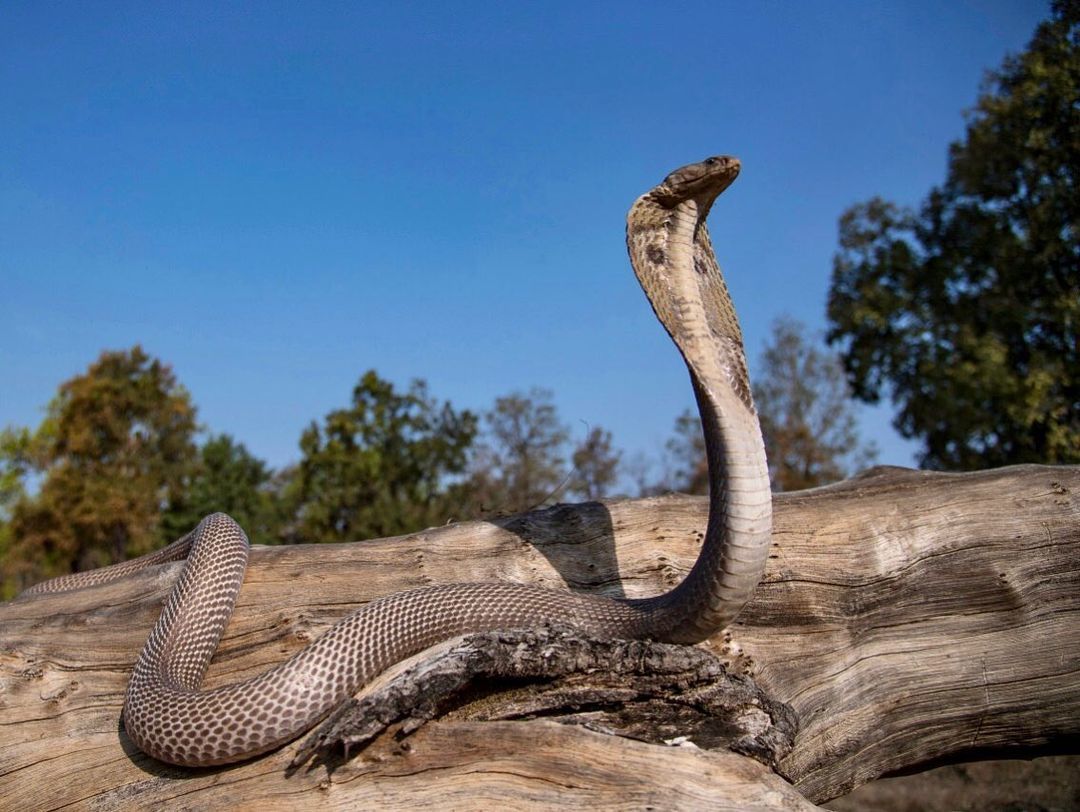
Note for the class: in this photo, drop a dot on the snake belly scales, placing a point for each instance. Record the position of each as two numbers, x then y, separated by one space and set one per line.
168 716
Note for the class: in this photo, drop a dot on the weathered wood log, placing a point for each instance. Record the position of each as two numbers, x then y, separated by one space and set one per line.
905 617
655 692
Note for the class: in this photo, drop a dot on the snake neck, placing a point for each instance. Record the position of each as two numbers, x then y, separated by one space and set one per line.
673 258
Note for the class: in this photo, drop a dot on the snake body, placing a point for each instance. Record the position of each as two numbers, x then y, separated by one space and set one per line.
170 718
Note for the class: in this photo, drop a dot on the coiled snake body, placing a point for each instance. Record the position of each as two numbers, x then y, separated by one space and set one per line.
169 717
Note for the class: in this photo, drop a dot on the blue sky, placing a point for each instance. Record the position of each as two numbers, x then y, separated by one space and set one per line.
275 197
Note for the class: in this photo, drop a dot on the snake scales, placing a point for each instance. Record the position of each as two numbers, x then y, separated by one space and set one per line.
169 717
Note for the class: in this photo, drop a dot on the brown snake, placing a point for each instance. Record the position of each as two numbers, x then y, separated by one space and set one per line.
169 717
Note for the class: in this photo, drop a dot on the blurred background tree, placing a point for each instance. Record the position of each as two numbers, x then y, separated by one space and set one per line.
115 471
596 466
115 446
13 469
383 466
226 477
967 312
807 418
686 469
806 411
518 463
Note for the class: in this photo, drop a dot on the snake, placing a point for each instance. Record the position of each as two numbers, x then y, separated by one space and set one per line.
170 717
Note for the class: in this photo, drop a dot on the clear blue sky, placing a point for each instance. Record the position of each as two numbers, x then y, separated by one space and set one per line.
276 197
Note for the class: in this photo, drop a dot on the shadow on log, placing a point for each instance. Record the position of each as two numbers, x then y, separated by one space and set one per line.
905 618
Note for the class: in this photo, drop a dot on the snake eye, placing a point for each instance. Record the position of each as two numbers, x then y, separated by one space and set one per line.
710 161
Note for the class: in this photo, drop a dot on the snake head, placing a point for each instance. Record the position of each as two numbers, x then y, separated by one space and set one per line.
701 182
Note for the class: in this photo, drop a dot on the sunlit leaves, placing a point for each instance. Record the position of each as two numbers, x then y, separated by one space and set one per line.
113 449
387 464
968 313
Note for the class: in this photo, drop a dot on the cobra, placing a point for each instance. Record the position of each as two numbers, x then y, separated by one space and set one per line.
169 717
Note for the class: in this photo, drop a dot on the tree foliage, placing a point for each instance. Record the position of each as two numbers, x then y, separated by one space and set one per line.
805 408
596 465
115 445
383 466
968 311
117 473
229 478
687 469
13 466
519 462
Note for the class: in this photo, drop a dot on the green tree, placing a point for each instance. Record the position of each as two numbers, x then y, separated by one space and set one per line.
804 404
383 466
14 444
115 445
229 478
283 506
968 312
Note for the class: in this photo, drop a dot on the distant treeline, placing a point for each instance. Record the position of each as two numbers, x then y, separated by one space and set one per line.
122 466
964 312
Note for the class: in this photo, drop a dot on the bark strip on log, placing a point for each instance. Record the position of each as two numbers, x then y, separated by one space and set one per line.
904 616
655 692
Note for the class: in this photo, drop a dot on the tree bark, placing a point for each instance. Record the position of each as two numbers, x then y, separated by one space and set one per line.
905 617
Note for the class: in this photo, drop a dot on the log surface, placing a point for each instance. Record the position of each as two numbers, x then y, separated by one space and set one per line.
904 616
645 690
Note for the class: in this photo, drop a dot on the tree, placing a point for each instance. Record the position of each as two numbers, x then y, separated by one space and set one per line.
687 468
804 404
519 463
14 444
227 477
383 466
115 445
968 312
283 490
596 465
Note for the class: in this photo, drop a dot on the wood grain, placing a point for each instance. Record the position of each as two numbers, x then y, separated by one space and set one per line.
905 616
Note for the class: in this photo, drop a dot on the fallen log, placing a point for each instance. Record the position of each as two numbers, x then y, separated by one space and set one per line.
905 617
